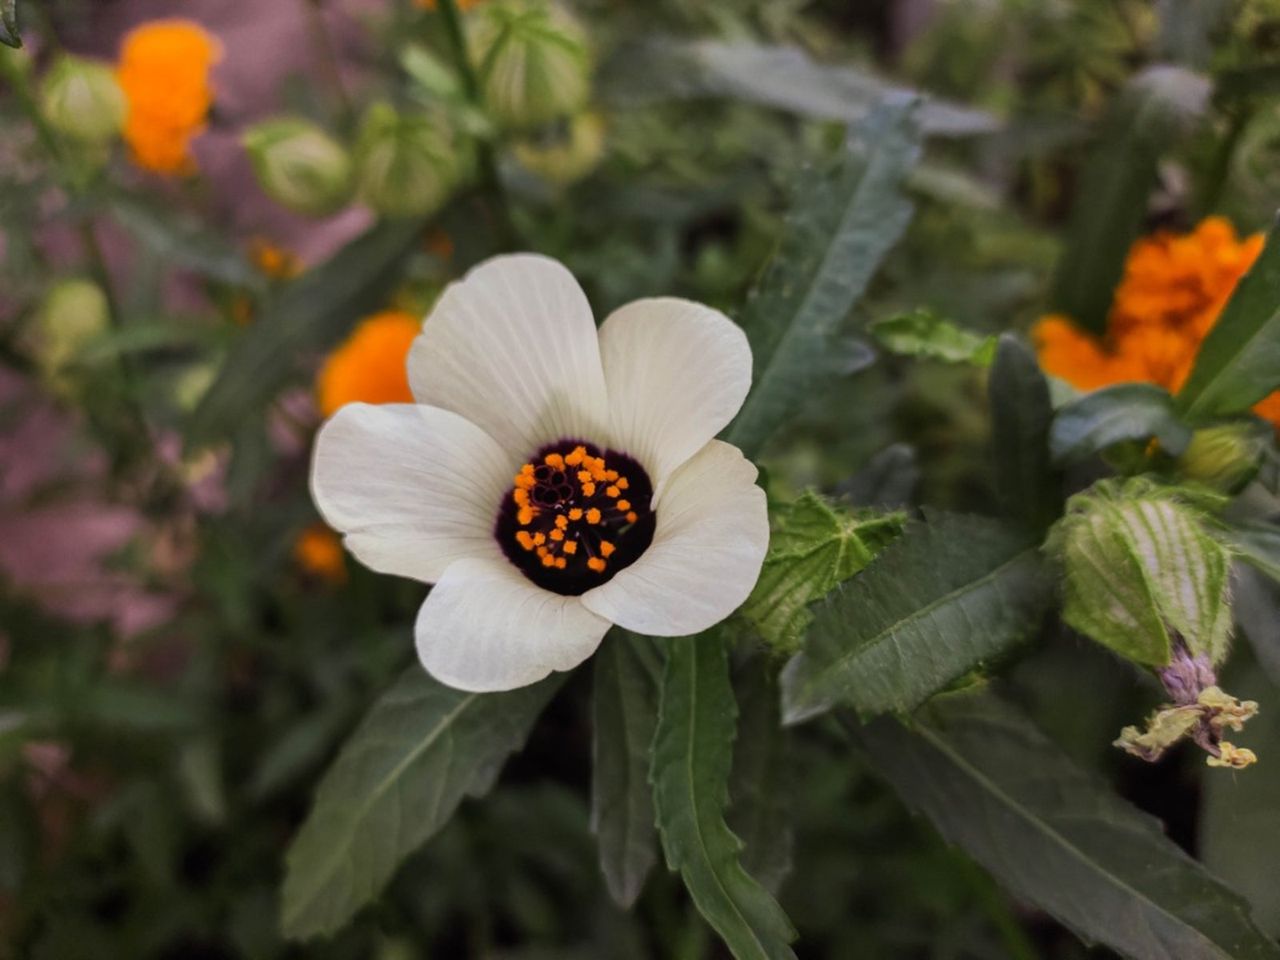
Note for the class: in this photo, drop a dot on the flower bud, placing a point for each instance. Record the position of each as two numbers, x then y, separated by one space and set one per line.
565 151
73 313
534 61
299 166
406 165
1224 457
1142 575
81 98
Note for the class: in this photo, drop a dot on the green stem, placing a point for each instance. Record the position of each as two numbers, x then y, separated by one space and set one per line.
497 194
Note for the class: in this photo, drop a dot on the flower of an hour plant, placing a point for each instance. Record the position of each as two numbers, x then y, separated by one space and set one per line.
1172 293
552 479
164 72
369 366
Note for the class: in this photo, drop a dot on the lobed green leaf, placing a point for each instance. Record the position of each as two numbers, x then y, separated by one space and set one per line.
950 594
923 333
692 756
1055 836
420 750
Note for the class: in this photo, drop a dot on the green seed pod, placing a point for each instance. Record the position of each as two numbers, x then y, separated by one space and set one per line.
1141 572
406 164
1224 457
73 313
565 151
299 166
534 63
81 99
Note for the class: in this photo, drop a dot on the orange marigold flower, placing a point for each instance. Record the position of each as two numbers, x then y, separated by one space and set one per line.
164 72
1173 290
370 366
318 551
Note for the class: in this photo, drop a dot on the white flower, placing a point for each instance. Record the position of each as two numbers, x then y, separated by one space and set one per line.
552 479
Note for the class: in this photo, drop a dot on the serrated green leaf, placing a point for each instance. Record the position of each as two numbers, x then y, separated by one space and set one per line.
1055 836
839 230
625 709
692 755
1021 414
815 546
1116 414
310 313
1240 816
761 784
923 333
1155 108
949 594
9 35
1239 361
420 750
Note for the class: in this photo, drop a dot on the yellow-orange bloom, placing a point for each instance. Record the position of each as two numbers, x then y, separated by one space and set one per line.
164 72
274 262
318 551
370 366
1173 290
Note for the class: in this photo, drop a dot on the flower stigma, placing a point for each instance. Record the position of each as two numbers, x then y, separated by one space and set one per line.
576 516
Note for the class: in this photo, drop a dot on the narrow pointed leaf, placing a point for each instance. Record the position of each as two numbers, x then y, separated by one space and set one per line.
1239 361
947 596
1021 415
838 232
9 23
1057 837
692 755
760 787
626 713
1116 414
421 749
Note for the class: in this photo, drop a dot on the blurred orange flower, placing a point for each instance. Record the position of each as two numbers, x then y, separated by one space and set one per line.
274 262
164 71
318 551
1173 290
370 366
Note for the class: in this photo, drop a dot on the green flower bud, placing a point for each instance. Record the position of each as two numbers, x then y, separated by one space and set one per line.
81 98
299 166
566 151
1142 574
534 65
1225 457
73 313
406 164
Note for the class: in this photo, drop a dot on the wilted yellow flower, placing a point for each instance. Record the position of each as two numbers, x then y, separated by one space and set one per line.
370 366
318 551
1172 293
164 71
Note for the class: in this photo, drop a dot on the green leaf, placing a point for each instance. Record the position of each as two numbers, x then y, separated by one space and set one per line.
816 545
1055 836
310 313
887 481
692 754
1155 108
1125 412
1239 833
839 230
1239 361
626 713
1254 601
421 749
9 23
762 781
949 594
1021 414
1258 544
923 333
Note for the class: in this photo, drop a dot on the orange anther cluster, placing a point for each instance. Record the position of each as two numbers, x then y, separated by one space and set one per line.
565 504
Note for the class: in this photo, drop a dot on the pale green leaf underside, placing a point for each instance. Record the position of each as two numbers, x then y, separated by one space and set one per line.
692 755
1056 837
947 596
923 333
420 750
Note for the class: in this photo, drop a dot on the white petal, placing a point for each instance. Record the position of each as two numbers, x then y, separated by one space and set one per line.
485 627
414 488
676 372
710 541
513 348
